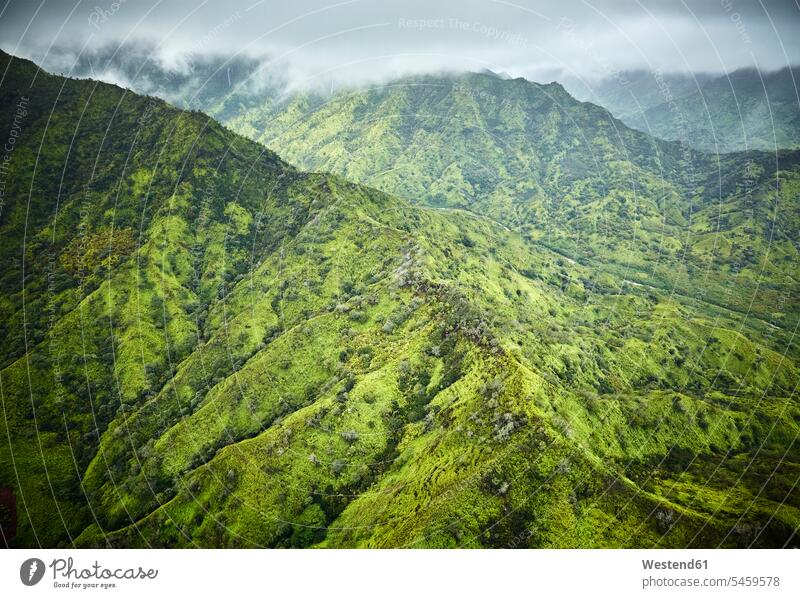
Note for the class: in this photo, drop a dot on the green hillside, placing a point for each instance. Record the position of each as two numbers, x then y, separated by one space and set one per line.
555 332
563 173
628 93
198 80
746 109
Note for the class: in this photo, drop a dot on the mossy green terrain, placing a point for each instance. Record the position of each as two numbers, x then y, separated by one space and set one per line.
564 173
207 347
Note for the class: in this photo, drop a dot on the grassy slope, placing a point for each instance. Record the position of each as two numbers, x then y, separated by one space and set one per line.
743 110
567 175
278 359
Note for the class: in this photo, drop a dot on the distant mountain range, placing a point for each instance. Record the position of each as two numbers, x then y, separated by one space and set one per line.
746 109
506 319
199 81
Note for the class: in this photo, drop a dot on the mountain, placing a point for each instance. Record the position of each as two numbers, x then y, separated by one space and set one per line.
208 347
746 109
629 93
563 173
742 110
196 80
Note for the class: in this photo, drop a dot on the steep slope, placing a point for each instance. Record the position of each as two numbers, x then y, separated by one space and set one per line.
123 221
565 173
194 81
746 109
210 348
629 93
477 141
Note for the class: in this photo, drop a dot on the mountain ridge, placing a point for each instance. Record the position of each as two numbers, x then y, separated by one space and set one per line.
744 109
221 350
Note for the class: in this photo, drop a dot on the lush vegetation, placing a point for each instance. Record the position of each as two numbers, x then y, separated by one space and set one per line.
745 109
564 174
554 332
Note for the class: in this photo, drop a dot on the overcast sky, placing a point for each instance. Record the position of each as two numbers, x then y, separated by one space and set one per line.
364 38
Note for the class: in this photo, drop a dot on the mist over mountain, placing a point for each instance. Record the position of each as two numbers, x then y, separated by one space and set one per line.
371 41
745 109
196 80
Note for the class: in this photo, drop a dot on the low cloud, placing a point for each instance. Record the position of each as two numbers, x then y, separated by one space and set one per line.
352 41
